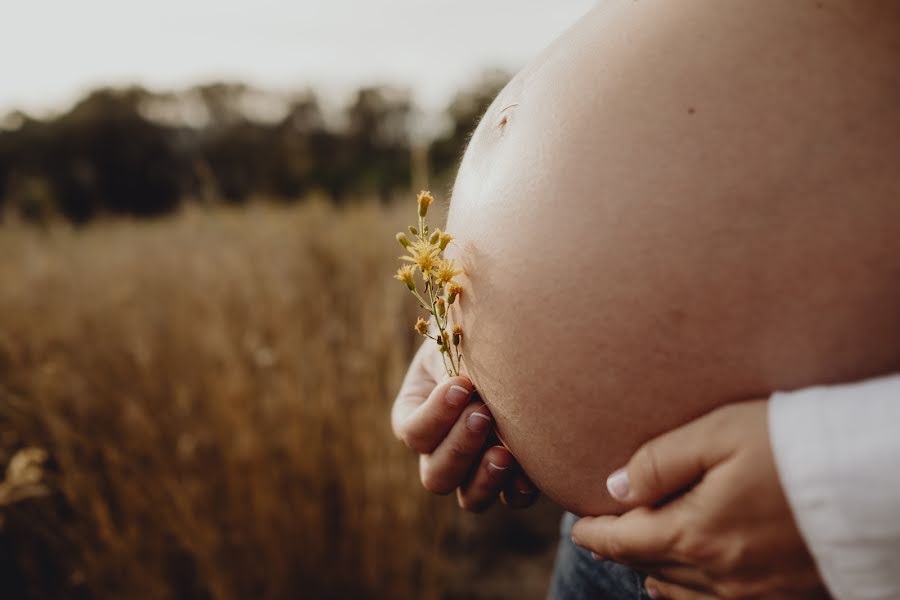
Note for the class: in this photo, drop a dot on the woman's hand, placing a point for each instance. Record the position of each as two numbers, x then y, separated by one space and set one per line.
708 516
444 421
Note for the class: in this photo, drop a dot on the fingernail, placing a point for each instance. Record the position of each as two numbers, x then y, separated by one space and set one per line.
617 484
456 395
652 592
478 422
496 467
596 556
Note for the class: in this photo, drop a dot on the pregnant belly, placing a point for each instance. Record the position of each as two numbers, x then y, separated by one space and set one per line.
580 370
643 243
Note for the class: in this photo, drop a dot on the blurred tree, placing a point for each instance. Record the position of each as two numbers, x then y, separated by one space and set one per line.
240 157
116 159
13 157
297 136
101 156
378 138
223 103
135 152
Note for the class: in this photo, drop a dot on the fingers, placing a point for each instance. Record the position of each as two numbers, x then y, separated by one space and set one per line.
667 464
423 428
452 460
640 536
483 489
519 491
672 591
450 431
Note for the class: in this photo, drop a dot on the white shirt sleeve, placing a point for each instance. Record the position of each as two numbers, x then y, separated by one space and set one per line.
837 449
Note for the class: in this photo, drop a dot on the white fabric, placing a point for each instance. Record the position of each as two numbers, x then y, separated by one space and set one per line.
838 454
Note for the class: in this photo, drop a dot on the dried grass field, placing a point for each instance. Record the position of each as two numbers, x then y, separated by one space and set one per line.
212 392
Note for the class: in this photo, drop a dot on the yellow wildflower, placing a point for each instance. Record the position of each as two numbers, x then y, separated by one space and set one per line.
447 269
405 274
424 255
422 326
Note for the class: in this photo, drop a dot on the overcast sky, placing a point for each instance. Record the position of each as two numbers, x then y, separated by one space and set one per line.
52 51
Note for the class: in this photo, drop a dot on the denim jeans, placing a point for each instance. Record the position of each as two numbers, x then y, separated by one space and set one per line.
577 576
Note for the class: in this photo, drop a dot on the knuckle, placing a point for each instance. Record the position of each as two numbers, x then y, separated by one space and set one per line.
436 485
461 451
615 550
404 435
670 541
414 439
734 555
434 481
647 469
697 548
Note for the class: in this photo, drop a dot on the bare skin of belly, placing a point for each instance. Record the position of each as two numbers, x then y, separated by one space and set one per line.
677 206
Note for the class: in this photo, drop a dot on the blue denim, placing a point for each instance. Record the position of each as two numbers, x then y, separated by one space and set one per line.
577 576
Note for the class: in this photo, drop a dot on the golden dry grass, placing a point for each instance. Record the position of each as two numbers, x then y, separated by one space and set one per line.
213 392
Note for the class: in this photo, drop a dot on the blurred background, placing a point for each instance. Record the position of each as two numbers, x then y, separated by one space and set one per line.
200 338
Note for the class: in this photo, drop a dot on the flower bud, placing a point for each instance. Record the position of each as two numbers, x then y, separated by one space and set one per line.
446 337
453 292
413 230
404 241
457 335
421 326
435 237
446 238
424 199
441 307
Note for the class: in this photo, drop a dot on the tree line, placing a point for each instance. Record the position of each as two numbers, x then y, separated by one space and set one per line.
130 151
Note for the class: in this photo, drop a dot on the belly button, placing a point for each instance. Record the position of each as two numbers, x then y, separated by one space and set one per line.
503 121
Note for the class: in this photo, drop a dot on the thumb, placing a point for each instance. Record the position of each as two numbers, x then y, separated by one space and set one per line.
667 464
419 382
